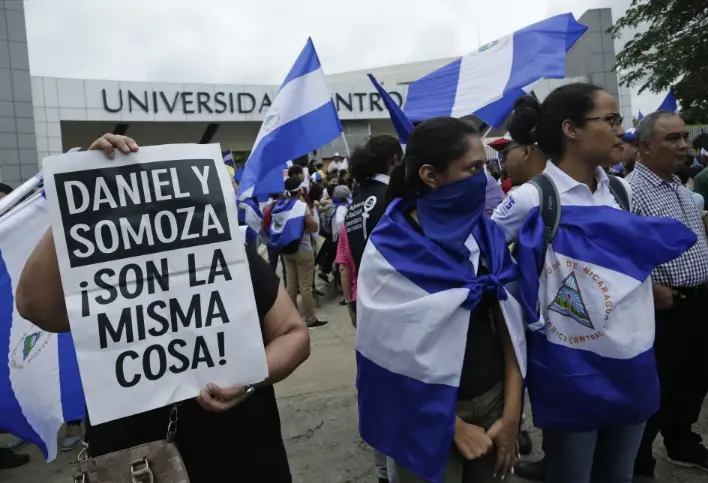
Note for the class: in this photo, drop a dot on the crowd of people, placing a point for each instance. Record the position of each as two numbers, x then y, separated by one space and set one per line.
439 192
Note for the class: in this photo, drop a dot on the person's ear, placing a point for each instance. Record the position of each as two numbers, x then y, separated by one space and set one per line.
527 152
570 129
428 176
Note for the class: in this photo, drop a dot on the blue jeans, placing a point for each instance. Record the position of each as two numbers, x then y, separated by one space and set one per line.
602 456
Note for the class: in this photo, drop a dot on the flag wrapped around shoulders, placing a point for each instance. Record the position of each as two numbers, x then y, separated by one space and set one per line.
287 222
40 386
591 314
413 312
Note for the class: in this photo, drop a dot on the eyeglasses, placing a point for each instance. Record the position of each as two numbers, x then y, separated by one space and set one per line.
613 120
505 152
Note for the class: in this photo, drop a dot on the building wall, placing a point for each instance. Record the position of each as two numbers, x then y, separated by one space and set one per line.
74 112
593 56
18 145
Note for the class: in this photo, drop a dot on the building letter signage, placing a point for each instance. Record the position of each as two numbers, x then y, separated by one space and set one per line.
190 102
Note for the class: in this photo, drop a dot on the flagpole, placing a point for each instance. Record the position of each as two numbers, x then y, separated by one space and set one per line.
486 133
12 199
346 145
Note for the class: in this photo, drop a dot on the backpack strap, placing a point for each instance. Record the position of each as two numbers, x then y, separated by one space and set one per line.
550 212
619 191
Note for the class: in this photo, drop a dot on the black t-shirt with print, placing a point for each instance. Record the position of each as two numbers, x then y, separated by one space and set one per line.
243 444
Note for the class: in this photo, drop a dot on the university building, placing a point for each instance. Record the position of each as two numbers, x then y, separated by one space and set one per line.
40 116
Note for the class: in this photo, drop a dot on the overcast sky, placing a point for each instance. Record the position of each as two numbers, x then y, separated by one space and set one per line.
255 42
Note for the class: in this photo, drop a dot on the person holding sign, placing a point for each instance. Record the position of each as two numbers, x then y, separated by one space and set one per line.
225 432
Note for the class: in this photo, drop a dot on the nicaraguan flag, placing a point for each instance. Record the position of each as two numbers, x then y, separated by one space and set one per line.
488 82
670 103
228 157
640 116
303 118
591 359
252 214
40 387
287 222
401 123
250 210
413 314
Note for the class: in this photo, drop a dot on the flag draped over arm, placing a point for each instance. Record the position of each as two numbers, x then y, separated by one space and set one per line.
488 82
40 387
413 313
303 117
591 314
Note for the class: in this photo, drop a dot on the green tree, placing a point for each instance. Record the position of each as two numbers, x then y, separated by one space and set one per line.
672 50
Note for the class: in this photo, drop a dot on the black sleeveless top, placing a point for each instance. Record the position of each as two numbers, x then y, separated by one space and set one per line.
483 364
243 444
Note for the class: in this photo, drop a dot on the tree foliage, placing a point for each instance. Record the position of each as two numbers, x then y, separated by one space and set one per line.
671 50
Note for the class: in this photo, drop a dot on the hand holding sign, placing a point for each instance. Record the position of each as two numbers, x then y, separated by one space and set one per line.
155 277
108 143
220 399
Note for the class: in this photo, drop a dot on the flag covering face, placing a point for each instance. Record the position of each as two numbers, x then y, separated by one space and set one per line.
40 387
413 313
591 360
303 117
487 83
287 222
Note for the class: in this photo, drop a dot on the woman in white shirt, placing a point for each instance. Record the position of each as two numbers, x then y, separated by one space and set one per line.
592 378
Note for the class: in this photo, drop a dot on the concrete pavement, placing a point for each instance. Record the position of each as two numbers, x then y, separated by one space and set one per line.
319 417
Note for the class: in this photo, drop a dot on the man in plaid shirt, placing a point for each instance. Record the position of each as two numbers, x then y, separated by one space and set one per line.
680 295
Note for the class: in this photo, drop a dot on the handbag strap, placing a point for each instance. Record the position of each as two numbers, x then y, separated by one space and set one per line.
169 436
172 425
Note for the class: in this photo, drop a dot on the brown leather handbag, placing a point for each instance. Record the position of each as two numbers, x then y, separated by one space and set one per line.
155 462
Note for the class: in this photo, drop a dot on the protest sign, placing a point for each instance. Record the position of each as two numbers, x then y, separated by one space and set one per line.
155 276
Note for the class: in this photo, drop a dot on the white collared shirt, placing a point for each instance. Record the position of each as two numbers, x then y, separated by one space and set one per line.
382 178
512 212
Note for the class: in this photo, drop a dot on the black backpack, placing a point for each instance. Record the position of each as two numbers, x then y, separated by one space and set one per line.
550 207
291 247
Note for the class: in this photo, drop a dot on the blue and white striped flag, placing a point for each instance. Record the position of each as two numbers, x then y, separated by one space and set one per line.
303 118
488 82
413 314
593 338
401 123
228 157
670 103
252 214
40 387
249 212
287 223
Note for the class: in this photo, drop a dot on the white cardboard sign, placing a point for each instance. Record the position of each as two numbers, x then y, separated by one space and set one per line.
155 276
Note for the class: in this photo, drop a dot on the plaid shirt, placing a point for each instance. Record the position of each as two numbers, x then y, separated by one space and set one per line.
653 196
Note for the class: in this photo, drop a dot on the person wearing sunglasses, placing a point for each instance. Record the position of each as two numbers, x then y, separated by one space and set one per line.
522 162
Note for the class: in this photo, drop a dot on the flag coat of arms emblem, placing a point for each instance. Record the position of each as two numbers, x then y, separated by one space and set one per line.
40 386
591 314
